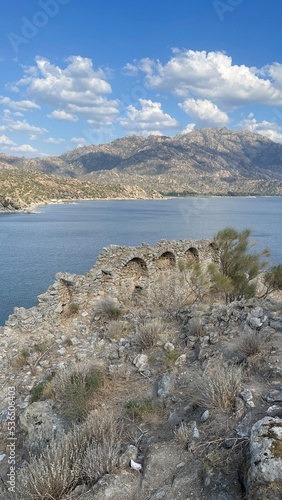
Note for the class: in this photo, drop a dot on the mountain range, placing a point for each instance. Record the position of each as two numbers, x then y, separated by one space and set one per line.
211 161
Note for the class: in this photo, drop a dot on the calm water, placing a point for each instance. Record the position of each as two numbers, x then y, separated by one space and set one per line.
33 247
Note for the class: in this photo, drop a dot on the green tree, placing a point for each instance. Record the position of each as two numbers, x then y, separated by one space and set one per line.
196 278
273 280
238 266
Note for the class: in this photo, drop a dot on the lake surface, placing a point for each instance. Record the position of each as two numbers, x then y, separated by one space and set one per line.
33 247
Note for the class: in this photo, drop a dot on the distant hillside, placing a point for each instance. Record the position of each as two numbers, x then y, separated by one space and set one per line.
22 188
214 161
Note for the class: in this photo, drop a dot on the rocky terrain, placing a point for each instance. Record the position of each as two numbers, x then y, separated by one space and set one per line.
187 399
212 161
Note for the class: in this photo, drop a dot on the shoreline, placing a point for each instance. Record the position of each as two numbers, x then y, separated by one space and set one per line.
31 209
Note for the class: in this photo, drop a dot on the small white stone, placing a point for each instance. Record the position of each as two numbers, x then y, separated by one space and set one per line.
2 457
181 360
169 347
135 465
205 416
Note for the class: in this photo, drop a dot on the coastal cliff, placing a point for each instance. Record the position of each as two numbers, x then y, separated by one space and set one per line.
193 387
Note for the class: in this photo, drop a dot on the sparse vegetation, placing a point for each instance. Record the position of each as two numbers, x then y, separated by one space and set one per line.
37 392
252 344
72 309
183 434
217 388
138 408
237 266
196 279
86 453
21 359
170 358
108 308
149 332
273 280
73 389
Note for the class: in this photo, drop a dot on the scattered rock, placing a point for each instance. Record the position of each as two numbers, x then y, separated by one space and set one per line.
274 396
129 454
247 396
166 385
135 466
181 361
169 347
42 425
266 457
141 362
205 416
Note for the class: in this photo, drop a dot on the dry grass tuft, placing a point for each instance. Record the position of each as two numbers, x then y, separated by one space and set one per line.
85 454
182 435
252 344
149 332
216 388
117 329
108 307
73 388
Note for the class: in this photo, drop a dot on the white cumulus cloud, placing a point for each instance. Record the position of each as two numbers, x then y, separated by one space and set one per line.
5 141
204 111
23 148
24 105
147 120
53 140
74 91
189 128
79 140
60 114
12 125
213 76
271 130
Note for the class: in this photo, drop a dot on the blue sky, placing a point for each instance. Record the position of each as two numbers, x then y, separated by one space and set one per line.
74 73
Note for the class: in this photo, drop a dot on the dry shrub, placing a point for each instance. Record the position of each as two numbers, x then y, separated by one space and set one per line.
217 388
108 308
116 329
22 359
149 332
167 296
252 344
85 454
182 435
72 309
73 389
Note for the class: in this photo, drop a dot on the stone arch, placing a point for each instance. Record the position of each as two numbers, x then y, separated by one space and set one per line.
192 254
166 260
135 269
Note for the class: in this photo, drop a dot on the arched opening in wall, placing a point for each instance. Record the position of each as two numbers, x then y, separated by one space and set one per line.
166 261
136 267
133 278
192 254
213 251
137 293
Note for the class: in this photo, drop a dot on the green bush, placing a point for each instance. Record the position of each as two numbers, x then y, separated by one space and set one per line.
73 389
137 408
237 265
37 392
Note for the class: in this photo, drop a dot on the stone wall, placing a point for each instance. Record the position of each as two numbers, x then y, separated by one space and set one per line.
119 272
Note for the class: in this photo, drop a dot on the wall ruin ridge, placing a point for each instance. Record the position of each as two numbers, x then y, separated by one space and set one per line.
119 272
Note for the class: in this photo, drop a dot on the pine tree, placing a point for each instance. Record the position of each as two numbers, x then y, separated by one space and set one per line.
238 266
